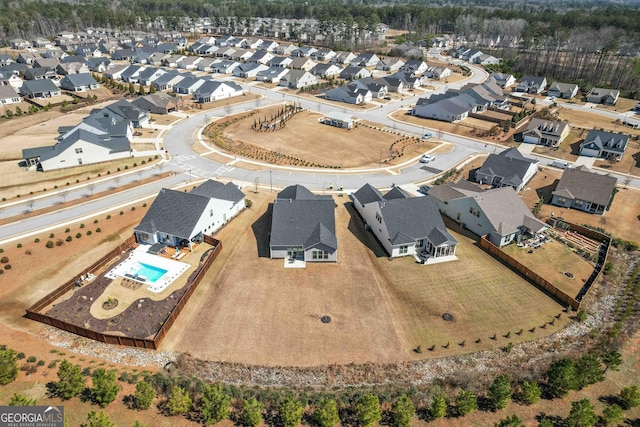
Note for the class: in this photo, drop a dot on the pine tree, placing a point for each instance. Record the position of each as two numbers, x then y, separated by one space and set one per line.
403 411
466 402
252 412
438 407
290 411
8 363
105 387
582 414
144 395
368 410
325 413
500 392
71 381
215 404
179 401
531 392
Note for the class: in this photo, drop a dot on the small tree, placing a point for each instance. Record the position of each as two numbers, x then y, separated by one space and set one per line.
105 387
500 392
21 400
562 377
466 402
71 381
589 370
215 404
611 359
8 366
612 414
510 421
402 411
132 89
179 401
545 422
531 392
325 413
98 419
438 407
582 414
290 411
152 88
630 397
368 410
144 395
252 412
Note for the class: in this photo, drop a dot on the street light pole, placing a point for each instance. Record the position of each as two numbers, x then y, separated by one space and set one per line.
270 182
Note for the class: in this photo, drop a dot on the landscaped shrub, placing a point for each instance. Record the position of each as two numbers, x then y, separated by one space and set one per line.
4 259
49 244
78 235
20 356
66 230
59 242
51 236
121 212
37 240
95 221
81 225
31 359
89 233
40 363
69 238
7 266
19 245
133 208
98 230
108 216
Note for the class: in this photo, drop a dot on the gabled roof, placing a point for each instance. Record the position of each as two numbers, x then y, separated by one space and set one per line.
610 141
76 80
368 194
126 110
301 218
7 91
217 190
511 165
36 86
547 126
583 184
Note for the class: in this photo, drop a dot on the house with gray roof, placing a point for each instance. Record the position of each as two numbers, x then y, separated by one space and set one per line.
405 225
125 110
39 89
79 82
532 84
599 95
303 226
563 90
507 169
604 145
580 188
214 90
8 95
497 213
158 103
180 219
503 80
351 94
326 71
545 132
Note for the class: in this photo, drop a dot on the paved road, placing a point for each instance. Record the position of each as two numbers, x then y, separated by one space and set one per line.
189 166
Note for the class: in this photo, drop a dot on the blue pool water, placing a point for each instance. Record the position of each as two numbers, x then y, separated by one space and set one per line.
149 272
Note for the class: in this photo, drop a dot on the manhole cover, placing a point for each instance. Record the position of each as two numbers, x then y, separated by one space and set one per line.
448 317
325 319
569 274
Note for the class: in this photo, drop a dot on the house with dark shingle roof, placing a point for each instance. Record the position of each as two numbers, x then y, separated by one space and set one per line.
604 145
39 89
303 226
158 103
599 95
179 219
545 132
497 213
532 84
79 82
405 225
507 169
582 189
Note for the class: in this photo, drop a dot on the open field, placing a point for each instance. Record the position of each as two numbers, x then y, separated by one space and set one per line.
359 146
551 260
381 309
568 149
621 221
588 120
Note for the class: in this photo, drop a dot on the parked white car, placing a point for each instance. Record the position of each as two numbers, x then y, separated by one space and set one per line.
427 158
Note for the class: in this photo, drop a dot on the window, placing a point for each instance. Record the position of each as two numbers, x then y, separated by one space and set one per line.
78 150
211 212
404 249
319 255
419 243
562 200
578 203
378 217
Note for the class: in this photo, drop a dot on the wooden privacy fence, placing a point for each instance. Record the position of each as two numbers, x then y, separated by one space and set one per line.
34 312
528 274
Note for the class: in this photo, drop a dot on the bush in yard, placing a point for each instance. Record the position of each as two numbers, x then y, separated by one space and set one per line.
531 392
105 387
71 381
49 244
215 404
466 402
252 412
69 238
403 411
630 397
98 419
4 259
179 401
500 392
582 414
31 359
144 395
78 235
7 266
20 356
368 410
325 413
290 411
612 414
438 408
8 366
21 400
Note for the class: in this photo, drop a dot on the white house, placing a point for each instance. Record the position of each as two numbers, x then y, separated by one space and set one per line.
8 95
298 79
213 90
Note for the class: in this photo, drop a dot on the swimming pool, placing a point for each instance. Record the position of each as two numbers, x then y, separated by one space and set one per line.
150 272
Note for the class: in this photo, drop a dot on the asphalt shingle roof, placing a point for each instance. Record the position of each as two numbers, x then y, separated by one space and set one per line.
582 184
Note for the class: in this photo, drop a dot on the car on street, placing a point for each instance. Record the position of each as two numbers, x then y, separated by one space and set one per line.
427 158
424 189
427 135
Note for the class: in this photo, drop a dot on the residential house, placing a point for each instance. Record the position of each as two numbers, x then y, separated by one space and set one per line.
252 43
450 109
79 147
7 78
338 119
46 62
280 61
343 58
180 219
532 84
390 64
224 67
8 95
79 82
71 68
562 90
41 43
73 58
326 71
40 73
351 94
39 89
115 73
507 169
27 57
189 63
409 80
323 55
158 103
124 110
6 60
302 63
247 71
604 145
303 226
503 80
405 225
378 88
213 90
132 73
88 50
206 49
284 49
270 46
298 79
545 132
415 67
498 213
354 73
304 51
124 55
19 44
167 80
393 84
365 60
188 85
224 41
172 61
241 55
99 65
437 73
599 95
205 64
150 75
271 74
261 57
166 48
485 59
580 188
